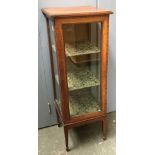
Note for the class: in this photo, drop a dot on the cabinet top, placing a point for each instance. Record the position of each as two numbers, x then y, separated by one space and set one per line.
74 11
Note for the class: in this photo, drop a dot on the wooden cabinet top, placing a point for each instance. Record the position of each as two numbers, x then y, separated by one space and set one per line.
74 11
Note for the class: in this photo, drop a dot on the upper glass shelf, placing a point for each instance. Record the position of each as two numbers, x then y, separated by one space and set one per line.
80 48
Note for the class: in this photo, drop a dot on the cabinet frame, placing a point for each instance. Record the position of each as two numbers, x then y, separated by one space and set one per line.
63 115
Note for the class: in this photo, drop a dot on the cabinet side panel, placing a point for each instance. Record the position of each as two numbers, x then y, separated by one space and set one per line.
62 70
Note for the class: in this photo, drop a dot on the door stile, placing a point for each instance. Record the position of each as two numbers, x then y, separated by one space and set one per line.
104 61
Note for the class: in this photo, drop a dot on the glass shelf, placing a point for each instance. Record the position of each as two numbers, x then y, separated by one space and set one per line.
80 48
80 78
82 105
82 102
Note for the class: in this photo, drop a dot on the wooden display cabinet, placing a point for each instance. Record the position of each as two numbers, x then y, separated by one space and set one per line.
78 45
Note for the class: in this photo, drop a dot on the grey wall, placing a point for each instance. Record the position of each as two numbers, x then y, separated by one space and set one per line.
45 91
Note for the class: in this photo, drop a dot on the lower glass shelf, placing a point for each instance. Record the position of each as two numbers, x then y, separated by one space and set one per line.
82 102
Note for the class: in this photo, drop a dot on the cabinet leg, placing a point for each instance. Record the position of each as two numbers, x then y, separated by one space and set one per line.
66 137
104 128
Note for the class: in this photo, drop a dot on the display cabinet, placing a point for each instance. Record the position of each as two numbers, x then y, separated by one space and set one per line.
78 45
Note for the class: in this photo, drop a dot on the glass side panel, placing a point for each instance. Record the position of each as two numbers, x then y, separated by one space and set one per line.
82 52
55 64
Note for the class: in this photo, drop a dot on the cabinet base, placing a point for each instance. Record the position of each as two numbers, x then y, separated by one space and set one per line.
103 124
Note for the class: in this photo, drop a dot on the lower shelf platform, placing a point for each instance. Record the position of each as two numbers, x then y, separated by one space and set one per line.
82 102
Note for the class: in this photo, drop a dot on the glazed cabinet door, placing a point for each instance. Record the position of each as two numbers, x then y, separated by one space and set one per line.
82 54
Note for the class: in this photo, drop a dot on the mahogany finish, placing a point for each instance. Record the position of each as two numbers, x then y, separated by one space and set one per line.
72 15
74 11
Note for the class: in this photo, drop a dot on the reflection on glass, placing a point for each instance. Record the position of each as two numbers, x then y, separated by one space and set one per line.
55 65
83 67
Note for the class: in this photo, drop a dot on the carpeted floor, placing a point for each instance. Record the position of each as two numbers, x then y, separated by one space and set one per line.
84 140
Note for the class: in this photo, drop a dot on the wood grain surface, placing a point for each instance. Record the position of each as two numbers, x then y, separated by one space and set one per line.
74 11
78 15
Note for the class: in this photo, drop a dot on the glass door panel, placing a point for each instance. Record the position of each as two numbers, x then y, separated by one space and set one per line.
82 52
55 64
